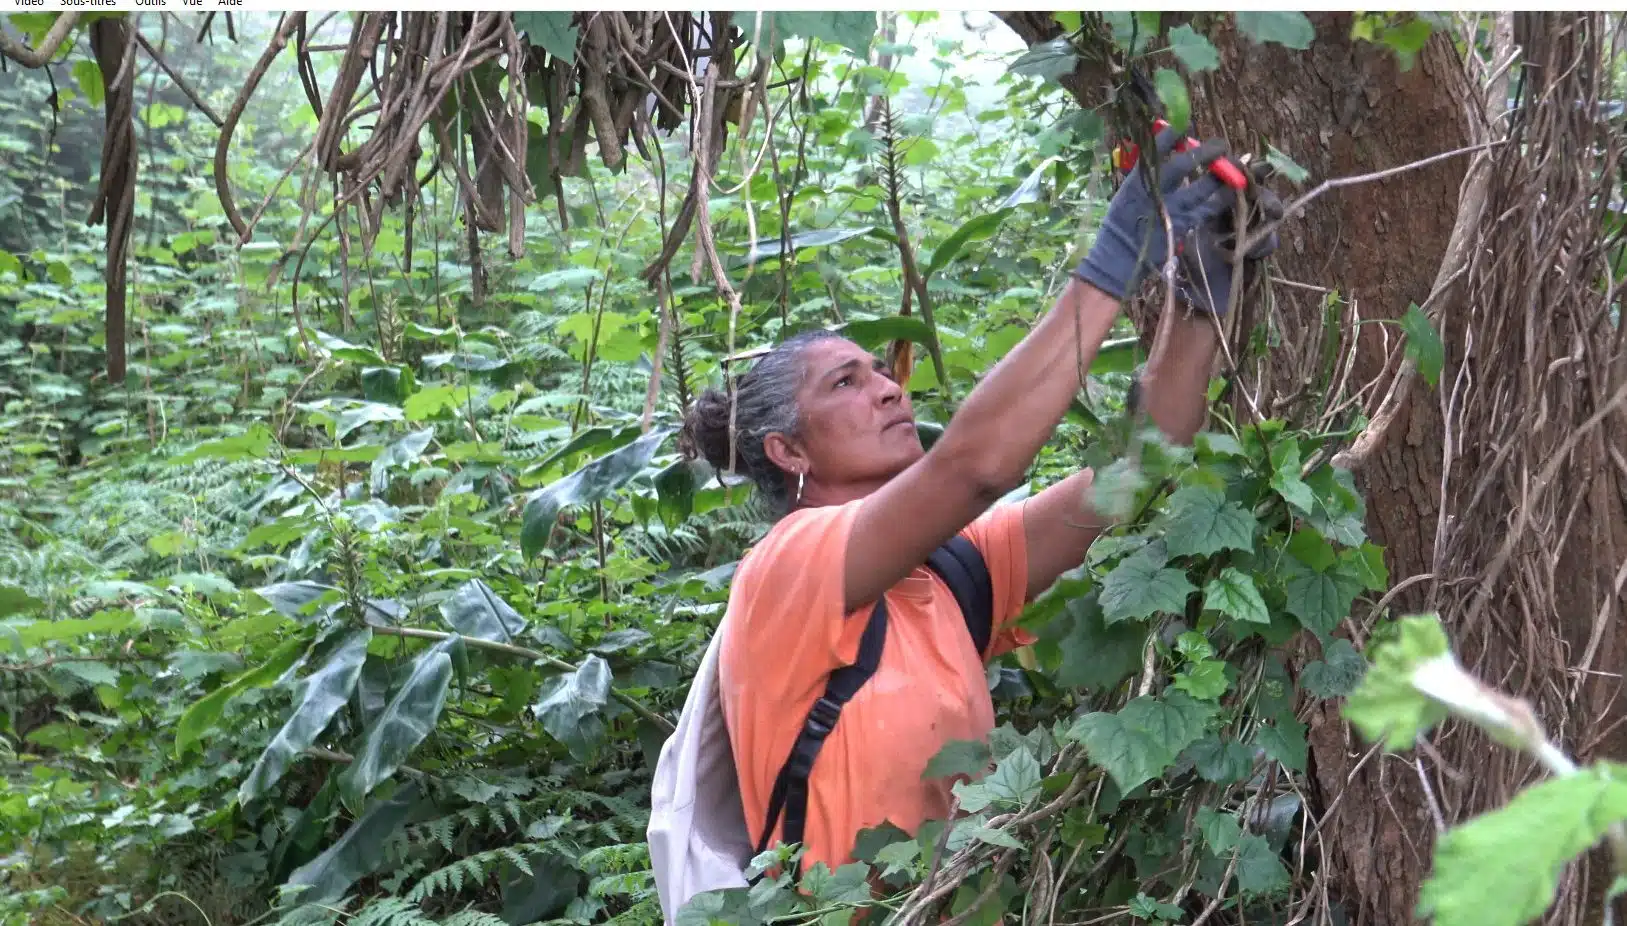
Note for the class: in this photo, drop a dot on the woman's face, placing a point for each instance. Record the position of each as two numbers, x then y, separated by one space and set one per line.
857 427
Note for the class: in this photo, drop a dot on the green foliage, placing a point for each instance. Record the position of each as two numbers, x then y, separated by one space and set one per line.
1388 707
1424 347
371 612
1193 48
1502 868
1172 93
1285 28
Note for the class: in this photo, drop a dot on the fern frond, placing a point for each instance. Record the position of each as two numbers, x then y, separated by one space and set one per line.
472 870
474 918
391 911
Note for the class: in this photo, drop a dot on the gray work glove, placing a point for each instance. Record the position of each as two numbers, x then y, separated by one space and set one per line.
1130 244
1204 274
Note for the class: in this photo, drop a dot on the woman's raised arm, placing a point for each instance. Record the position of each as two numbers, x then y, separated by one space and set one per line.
1000 428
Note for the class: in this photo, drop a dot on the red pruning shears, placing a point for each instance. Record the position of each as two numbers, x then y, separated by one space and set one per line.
1126 154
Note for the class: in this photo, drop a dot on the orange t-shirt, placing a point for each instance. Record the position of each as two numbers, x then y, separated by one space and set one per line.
787 633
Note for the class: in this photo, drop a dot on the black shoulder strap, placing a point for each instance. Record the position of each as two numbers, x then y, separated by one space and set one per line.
790 793
960 564
961 567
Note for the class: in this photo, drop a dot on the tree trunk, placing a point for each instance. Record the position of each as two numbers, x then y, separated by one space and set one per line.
1345 108
1369 251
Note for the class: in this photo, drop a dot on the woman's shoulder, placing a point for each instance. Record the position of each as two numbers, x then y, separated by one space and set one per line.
804 533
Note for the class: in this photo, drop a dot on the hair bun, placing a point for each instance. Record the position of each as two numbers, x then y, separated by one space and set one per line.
706 429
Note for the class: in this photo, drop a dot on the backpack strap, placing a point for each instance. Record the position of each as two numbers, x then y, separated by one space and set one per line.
960 565
790 794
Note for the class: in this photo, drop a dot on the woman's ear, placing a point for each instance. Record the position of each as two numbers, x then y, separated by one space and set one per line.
785 453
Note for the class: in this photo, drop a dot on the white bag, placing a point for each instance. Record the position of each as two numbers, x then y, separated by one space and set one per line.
697 834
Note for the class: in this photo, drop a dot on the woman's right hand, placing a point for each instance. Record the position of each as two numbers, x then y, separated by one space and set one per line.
1131 244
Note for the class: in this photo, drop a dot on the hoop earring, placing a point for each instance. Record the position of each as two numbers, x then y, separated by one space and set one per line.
801 477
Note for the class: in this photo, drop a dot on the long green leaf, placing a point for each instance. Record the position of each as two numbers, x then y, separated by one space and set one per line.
406 720
14 600
770 248
976 228
474 610
202 716
570 703
324 692
593 482
357 853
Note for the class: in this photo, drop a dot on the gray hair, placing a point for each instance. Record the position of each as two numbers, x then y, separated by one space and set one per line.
765 402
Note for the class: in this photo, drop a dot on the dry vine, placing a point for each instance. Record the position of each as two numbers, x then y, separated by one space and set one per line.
1534 400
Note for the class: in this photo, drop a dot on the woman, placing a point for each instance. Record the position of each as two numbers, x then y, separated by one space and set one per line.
829 438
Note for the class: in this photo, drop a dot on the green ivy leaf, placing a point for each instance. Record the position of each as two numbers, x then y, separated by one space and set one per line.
1194 49
1204 679
1284 740
1502 868
1221 831
1386 707
973 829
1366 564
1221 762
593 482
899 858
1285 478
1201 522
1234 594
1287 28
848 884
1140 586
974 798
1286 166
1336 674
321 695
476 611
1114 490
1424 345
1259 869
551 31
1320 600
1338 511
1095 655
1172 93
402 725
1016 780
1143 907
1143 739
959 757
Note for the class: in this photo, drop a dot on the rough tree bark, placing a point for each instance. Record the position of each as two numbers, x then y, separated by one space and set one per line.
1343 108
